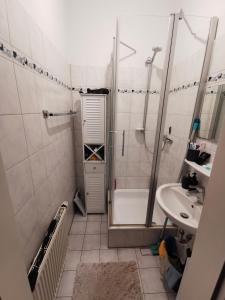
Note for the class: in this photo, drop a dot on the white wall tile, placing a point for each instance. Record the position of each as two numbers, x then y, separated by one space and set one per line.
41 90
36 42
12 140
121 182
138 103
51 158
4 30
153 104
32 124
136 120
135 138
218 59
9 103
137 182
120 169
38 168
27 220
134 154
124 103
44 199
20 184
19 23
27 90
122 121
134 169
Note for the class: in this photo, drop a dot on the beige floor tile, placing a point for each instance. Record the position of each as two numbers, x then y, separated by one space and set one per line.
104 241
91 242
146 261
72 260
152 281
104 218
94 218
104 228
78 228
127 254
93 228
108 255
66 284
76 242
160 296
79 218
91 256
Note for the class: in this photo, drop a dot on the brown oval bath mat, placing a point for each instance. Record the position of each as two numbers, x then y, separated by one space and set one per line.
107 281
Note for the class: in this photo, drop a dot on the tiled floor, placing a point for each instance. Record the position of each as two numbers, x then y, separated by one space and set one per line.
88 243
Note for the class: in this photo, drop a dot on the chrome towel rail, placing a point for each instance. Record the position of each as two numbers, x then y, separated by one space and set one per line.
47 114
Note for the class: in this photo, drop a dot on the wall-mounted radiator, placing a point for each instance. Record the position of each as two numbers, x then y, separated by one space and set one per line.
45 272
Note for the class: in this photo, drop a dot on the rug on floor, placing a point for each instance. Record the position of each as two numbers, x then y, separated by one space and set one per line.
107 281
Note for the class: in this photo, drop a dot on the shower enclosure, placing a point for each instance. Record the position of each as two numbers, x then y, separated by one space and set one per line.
159 67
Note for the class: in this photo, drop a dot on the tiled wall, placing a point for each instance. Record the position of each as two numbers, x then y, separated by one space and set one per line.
179 114
38 154
132 170
207 111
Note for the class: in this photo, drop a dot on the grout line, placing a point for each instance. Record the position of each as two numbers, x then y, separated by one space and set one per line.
139 274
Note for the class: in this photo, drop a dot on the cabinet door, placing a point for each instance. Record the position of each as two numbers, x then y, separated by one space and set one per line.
95 192
93 119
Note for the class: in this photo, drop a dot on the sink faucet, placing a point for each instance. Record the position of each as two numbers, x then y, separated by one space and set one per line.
199 192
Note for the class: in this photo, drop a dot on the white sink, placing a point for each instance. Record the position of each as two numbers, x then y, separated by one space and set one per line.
180 208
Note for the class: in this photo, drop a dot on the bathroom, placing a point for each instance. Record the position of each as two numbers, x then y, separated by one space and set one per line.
111 99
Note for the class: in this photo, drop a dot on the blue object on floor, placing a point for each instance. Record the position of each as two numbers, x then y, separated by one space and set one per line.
172 277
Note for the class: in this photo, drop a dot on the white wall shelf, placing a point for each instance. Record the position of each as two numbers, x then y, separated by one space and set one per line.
198 168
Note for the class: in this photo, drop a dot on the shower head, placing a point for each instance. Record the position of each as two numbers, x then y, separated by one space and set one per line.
150 60
156 49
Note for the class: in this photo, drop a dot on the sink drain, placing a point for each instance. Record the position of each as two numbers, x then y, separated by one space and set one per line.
184 215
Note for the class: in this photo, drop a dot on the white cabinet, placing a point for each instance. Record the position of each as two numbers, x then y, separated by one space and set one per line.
95 192
93 119
94 138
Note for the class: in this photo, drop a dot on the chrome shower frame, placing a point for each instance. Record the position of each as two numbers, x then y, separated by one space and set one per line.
164 93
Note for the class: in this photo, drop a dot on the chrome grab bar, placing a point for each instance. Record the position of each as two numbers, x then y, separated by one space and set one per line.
47 114
123 143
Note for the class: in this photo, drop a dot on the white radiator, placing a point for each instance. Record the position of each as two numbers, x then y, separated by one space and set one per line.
51 267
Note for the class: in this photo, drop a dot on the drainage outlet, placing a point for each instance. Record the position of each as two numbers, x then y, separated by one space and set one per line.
184 215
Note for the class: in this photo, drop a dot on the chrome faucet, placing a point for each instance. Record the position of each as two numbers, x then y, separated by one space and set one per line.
199 192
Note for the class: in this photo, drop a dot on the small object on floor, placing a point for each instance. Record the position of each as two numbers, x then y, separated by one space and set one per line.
79 204
173 278
155 249
145 252
162 249
107 281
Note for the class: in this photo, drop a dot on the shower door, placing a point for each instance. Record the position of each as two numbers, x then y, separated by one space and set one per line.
145 156
136 108
184 89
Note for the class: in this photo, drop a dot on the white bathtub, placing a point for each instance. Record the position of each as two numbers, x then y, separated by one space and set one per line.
129 206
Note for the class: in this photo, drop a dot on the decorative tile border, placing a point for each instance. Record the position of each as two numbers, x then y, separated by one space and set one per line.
219 76
184 87
211 92
140 91
24 61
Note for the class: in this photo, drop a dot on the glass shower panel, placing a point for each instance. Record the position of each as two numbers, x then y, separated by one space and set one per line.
186 72
134 137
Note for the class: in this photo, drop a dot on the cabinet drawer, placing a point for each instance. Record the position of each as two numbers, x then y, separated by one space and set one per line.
94 168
